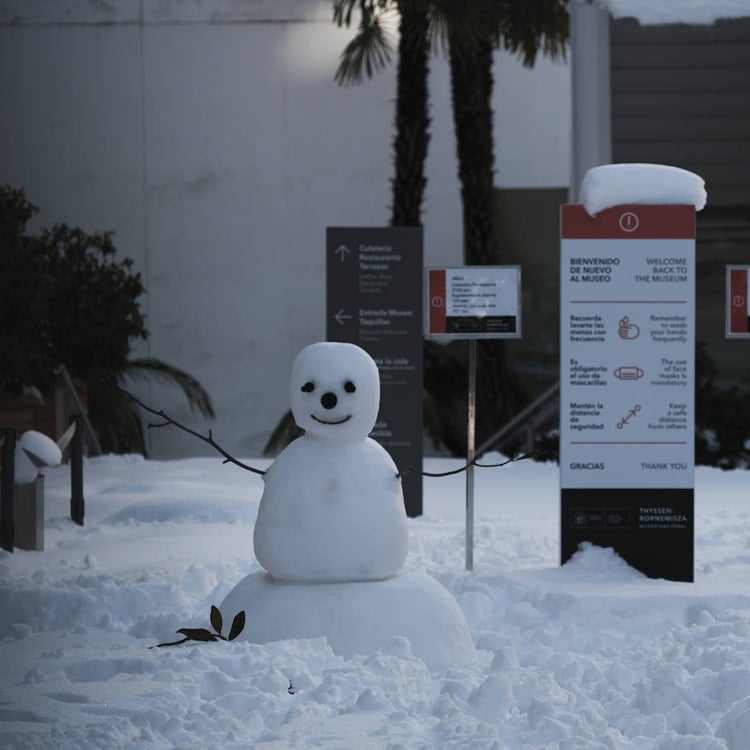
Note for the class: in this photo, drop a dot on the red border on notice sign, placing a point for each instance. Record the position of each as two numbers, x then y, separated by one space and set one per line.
738 304
437 299
647 222
738 301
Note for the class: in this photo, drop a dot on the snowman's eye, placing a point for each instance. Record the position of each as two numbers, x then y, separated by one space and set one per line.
349 387
308 387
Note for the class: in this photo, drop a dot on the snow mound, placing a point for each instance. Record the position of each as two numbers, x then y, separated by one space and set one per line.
357 617
594 563
182 510
734 727
624 184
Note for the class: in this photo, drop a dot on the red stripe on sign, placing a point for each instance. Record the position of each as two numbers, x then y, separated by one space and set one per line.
629 222
437 300
739 311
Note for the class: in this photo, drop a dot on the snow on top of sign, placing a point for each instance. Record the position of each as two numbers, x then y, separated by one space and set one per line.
677 11
621 184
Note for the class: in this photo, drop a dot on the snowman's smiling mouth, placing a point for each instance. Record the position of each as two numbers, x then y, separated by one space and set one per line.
332 421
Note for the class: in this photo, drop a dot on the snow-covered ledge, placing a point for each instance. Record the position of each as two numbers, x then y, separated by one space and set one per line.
677 11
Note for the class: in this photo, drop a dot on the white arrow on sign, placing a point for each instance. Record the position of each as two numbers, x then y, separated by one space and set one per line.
339 317
342 251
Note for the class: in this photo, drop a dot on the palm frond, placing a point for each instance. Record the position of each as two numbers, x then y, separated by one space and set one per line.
139 370
284 432
472 22
367 53
118 427
523 27
529 28
343 9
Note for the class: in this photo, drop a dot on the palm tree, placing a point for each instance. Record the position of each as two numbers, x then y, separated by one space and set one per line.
470 32
370 51
473 31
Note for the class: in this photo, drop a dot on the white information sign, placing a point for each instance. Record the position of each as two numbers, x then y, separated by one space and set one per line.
627 354
474 302
627 348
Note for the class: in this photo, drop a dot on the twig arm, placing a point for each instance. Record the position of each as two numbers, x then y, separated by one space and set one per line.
167 420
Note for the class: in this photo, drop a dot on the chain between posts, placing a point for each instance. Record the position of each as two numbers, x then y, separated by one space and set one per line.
474 462
228 458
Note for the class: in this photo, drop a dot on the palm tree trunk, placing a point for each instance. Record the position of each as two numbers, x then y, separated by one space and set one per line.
471 91
412 118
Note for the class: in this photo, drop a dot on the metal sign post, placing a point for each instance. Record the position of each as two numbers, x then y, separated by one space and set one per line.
470 456
76 472
6 496
473 302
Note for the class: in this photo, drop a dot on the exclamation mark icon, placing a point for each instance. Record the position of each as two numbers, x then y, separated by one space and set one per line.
629 222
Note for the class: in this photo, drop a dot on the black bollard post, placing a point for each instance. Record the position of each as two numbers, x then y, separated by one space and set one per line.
76 472
6 492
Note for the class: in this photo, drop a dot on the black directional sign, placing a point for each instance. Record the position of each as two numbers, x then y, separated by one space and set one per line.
374 299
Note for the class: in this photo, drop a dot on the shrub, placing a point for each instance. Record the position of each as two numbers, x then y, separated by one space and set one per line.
66 301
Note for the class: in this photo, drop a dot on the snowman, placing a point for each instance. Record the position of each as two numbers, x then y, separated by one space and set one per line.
332 533
332 508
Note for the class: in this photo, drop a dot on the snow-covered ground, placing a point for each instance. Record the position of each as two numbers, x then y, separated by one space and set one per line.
588 656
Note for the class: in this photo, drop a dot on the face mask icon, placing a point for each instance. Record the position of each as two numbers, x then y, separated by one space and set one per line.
629 373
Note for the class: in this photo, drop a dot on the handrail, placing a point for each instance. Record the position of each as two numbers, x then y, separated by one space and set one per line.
62 371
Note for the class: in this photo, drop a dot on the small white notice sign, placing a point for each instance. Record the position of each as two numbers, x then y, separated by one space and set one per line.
473 302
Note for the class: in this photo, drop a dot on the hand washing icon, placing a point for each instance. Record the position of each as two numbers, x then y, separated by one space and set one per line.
628 330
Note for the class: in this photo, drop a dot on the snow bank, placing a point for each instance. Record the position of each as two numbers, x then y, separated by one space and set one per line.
357 617
622 184
587 656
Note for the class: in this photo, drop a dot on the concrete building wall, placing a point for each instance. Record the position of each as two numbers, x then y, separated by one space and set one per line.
211 137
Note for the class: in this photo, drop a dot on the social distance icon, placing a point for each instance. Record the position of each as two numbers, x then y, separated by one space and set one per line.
631 413
628 372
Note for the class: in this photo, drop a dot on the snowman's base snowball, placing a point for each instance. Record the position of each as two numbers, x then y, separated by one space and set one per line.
356 617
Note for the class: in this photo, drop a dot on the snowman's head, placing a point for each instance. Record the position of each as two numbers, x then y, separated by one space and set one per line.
334 391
